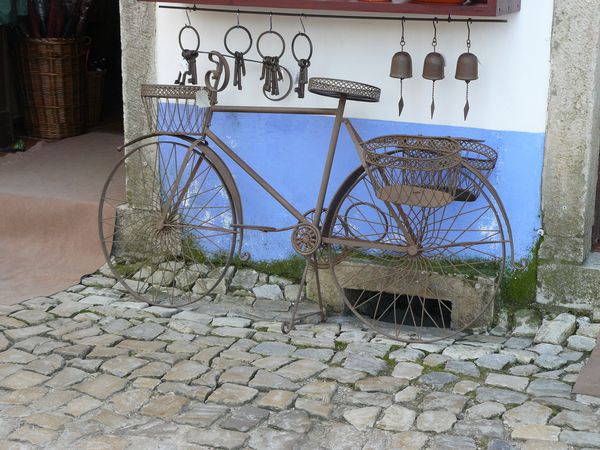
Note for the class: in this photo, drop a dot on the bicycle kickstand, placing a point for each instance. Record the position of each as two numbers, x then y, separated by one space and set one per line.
286 327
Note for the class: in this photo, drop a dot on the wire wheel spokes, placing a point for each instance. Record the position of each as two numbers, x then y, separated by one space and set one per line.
172 238
416 273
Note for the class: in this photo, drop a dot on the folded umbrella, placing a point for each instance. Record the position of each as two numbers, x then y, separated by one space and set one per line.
41 8
55 19
34 20
84 12
71 11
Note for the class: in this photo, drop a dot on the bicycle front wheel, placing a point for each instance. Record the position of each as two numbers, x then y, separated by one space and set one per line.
417 273
172 238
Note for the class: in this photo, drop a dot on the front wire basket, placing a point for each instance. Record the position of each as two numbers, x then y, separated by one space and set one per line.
175 108
413 170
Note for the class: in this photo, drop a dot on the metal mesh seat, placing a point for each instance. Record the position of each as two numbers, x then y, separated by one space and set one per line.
352 90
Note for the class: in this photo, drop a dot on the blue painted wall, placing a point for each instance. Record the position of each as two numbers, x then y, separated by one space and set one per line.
289 152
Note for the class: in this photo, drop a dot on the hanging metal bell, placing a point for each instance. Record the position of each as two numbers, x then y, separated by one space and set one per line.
401 66
467 67
433 68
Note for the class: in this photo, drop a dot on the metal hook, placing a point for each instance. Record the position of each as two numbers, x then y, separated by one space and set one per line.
238 18
434 42
402 41
469 34
271 21
188 17
302 22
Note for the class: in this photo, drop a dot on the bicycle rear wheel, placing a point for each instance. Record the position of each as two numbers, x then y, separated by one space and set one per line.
172 239
416 273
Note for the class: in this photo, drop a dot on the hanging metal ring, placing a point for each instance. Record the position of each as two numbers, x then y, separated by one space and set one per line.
244 29
310 52
274 33
195 32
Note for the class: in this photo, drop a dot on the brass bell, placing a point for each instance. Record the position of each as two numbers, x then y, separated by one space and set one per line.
467 67
401 66
433 68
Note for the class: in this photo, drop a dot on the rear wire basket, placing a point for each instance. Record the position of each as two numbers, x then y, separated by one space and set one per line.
479 157
414 170
175 109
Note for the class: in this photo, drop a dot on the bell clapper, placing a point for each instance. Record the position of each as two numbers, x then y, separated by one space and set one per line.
433 99
401 102
467 106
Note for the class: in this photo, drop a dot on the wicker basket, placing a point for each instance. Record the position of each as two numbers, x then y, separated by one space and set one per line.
414 170
175 108
54 83
95 94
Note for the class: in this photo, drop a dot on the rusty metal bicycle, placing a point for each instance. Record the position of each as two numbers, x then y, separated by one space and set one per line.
415 241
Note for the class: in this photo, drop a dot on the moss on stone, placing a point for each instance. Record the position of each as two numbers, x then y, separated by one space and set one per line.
126 270
519 285
290 268
340 346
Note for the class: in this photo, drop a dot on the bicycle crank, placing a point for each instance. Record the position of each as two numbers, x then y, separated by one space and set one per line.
306 239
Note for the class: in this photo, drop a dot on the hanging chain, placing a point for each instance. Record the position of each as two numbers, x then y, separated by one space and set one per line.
434 42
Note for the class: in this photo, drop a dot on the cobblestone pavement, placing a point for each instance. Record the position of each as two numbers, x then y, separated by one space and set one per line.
89 368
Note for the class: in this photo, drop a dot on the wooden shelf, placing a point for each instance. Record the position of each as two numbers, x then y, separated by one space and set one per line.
491 8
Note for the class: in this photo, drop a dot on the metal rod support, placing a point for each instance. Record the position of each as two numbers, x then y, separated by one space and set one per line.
334 16
335 134
282 110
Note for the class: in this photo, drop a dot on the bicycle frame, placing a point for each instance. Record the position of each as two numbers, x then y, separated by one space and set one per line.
338 113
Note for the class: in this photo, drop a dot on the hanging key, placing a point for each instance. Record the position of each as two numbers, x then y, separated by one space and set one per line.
272 73
304 64
266 73
277 76
239 69
190 57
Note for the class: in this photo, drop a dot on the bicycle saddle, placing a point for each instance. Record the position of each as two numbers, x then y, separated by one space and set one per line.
352 90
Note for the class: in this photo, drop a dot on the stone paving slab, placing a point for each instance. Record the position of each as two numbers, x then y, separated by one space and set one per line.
94 369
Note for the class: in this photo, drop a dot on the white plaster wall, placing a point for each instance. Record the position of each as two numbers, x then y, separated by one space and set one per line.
511 93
